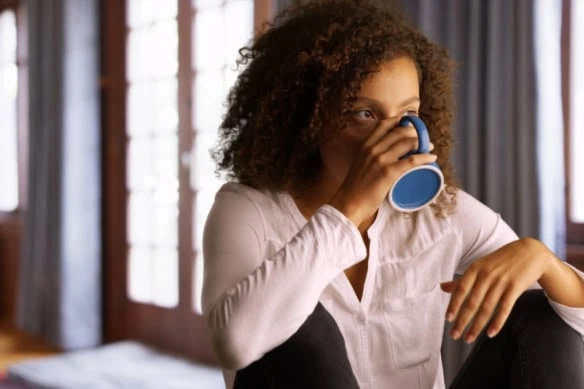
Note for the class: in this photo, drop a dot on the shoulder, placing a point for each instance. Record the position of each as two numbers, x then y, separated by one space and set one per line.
469 206
242 200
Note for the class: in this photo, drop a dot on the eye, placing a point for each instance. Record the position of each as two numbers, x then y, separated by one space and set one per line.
364 114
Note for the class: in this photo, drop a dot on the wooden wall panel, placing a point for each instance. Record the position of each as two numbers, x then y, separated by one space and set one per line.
10 245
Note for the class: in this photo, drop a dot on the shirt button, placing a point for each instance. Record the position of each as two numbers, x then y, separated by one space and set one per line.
361 318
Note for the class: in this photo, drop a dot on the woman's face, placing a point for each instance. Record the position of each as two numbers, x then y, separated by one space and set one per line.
387 95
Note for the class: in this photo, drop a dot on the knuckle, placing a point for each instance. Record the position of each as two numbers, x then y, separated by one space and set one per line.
472 304
485 309
377 159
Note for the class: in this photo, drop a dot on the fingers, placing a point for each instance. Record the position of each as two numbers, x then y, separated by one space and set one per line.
449 286
414 160
472 303
505 306
380 131
464 287
485 312
475 299
394 136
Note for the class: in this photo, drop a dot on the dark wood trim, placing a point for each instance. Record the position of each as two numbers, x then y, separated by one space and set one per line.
263 13
113 111
4 4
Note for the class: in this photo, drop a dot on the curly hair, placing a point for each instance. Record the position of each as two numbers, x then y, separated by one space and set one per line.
300 79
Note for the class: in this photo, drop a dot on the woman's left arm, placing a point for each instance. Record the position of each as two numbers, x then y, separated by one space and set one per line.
496 268
495 282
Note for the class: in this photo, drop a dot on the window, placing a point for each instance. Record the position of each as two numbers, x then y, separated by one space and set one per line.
166 69
572 43
576 140
218 28
8 112
152 152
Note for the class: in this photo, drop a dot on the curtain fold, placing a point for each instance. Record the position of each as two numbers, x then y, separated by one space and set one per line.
60 272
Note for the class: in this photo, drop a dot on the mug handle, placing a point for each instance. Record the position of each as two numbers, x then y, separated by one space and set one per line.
423 136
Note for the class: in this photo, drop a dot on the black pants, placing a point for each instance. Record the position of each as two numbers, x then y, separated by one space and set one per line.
535 349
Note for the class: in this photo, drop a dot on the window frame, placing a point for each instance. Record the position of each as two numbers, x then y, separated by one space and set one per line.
21 107
169 328
574 231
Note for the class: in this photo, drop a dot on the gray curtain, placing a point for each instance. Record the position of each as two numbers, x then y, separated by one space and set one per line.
60 272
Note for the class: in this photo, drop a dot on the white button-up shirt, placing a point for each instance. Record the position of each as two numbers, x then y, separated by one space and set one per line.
266 267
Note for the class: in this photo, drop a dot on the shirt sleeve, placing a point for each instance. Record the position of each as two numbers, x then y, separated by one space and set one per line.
253 303
573 316
480 230
483 231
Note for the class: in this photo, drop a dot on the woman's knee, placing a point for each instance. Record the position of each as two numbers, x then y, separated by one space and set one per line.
533 320
315 356
318 336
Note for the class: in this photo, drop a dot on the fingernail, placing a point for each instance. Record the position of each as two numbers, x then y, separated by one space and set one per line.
455 334
469 339
449 317
490 333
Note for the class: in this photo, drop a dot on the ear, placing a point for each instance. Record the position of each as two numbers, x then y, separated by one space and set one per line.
449 286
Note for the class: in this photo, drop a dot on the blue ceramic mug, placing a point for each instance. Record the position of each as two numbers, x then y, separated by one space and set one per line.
419 186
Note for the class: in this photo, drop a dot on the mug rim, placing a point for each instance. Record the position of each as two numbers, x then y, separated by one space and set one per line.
422 167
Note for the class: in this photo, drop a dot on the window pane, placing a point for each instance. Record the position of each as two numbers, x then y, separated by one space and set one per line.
137 61
153 108
208 39
140 219
166 226
229 78
147 11
7 37
140 275
140 108
209 101
165 108
153 51
165 278
163 49
238 28
577 121
203 169
200 4
140 174
166 163
8 112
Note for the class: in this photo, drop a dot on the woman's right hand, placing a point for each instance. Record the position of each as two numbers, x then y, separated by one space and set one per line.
375 169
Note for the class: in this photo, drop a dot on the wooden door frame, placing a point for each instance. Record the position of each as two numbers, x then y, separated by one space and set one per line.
574 231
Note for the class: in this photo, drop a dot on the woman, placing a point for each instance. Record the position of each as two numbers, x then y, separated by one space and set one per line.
312 280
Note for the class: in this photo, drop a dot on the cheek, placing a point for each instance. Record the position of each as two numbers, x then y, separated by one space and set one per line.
339 157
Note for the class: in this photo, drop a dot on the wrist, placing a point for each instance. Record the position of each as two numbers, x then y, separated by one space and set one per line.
347 208
549 260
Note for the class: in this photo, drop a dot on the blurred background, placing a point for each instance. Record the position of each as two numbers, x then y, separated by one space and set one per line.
108 109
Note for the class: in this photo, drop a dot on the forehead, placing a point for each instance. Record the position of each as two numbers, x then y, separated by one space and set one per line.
396 79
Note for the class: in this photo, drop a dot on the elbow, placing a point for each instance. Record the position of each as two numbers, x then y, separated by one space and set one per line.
231 349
